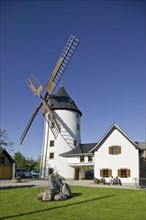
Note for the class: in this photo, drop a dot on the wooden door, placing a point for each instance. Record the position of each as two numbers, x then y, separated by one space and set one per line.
77 171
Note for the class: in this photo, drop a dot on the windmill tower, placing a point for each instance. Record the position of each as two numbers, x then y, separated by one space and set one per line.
68 115
60 113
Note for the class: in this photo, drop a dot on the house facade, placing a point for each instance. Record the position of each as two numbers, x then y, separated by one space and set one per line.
118 156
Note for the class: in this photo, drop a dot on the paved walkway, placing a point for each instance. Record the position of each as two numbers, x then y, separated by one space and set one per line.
8 184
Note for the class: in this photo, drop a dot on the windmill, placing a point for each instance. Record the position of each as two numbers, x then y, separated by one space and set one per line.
51 84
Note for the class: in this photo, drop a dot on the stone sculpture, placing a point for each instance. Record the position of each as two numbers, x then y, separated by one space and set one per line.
57 189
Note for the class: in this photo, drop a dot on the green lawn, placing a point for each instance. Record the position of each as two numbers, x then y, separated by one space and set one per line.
87 203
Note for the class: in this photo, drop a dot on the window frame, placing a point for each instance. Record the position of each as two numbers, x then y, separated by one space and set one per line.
75 143
104 174
124 170
114 150
90 158
50 171
82 159
52 143
51 155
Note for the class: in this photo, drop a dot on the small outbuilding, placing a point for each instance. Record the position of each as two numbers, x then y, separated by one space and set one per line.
7 165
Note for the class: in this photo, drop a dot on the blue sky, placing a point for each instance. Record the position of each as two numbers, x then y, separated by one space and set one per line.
106 76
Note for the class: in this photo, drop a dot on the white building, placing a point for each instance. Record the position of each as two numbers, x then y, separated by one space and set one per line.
114 155
68 116
117 155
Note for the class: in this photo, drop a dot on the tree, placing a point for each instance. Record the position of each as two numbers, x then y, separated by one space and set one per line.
37 164
20 160
5 141
28 163
32 164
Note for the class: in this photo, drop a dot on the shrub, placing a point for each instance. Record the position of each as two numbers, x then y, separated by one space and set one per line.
96 180
103 181
100 181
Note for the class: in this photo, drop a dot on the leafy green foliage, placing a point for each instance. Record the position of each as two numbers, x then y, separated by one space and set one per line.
86 203
100 181
28 163
20 160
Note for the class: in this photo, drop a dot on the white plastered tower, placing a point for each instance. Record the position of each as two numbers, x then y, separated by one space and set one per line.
68 115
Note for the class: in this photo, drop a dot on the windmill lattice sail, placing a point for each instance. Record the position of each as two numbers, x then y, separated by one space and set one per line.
30 122
34 85
62 63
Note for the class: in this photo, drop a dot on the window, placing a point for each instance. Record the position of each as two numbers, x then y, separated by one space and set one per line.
115 150
81 158
123 173
51 143
89 158
51 155
105 172
75 143
50 171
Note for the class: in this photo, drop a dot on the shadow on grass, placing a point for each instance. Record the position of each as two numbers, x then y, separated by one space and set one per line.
75 194
58 207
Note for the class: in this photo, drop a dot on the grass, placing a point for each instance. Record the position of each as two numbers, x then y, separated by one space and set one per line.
87 203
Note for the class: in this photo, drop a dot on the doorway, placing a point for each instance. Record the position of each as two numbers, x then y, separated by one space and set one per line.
77 173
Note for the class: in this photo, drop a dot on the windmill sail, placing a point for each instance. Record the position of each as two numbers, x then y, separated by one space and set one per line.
34 85
62 63
30 122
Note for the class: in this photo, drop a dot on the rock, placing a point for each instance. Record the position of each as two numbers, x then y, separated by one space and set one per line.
56 190
48 195
60 196
66 190
51 182
40 196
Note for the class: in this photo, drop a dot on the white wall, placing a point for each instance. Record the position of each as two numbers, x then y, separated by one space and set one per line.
69 121
128 159
76 160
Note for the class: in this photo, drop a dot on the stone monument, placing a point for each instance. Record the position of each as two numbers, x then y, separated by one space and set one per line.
57 189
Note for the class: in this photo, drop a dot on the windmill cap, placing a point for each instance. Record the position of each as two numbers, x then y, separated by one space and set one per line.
62 100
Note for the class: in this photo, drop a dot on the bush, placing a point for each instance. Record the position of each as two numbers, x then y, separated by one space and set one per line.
103 181
100 181
96 180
